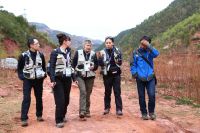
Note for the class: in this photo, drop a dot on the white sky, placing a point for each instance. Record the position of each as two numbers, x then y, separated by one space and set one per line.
95 19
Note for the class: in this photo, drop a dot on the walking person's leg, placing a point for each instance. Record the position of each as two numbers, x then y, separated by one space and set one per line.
141 93
59 101
38 91
82 100
108 90
117 92
152 98
67 90
27 85
89 86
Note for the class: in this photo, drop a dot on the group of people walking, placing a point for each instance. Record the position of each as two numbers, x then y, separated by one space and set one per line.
63 69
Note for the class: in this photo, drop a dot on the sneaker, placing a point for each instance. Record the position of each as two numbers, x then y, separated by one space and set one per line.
60 125
145 117
24 123
106 111
40 119
152 116
119 113
87 115
64 119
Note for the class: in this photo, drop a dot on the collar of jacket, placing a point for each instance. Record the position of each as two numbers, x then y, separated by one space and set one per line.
60 52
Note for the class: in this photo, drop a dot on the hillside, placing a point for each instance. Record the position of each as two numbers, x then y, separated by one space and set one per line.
51 34
181 35
176 12
14 31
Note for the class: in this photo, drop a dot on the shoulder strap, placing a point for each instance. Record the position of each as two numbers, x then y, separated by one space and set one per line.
145 59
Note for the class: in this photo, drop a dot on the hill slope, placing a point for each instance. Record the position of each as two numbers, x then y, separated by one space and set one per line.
14 31
176 12
76 40
181 35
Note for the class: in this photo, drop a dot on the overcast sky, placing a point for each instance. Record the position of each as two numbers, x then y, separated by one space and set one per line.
91 18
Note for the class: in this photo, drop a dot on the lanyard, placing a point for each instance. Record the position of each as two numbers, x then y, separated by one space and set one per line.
107 55
67 58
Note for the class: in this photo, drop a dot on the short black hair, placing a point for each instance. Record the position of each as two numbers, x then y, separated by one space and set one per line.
30 41
110 37
147 38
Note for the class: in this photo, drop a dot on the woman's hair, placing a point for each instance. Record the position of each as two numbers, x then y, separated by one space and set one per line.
111 38
62 37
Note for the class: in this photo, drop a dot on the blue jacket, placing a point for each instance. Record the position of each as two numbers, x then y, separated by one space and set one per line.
139 67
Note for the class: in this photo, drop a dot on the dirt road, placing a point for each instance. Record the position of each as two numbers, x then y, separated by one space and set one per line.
130 122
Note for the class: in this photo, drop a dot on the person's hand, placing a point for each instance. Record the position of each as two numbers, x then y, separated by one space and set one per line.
91 68
53 84
144 43
76 82
134 76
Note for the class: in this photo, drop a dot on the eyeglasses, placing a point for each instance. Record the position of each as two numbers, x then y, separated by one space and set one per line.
37 43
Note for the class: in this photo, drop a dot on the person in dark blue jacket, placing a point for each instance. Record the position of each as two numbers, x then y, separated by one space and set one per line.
61 75
110 60
142 68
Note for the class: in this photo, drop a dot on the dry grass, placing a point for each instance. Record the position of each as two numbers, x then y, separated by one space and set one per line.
179 75
10 100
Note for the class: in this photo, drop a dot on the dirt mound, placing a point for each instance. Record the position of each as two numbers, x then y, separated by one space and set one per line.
11 47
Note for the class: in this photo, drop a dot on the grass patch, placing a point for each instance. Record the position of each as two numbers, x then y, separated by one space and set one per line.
196 105
184 101
162 85
180 87
168 97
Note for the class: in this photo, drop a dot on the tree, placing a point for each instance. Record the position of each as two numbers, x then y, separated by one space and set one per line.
1 7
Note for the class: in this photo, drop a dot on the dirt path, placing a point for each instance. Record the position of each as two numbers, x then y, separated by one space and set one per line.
130 122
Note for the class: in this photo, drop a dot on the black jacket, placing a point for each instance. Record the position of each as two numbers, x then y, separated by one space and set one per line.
53 59
21 63
112 62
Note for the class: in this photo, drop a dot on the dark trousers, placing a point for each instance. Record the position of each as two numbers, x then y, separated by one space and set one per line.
150 87
62 95
37 85
115 83
85 86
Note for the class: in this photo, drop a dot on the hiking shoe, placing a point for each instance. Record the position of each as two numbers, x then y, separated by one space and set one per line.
106 111
82 117
152 116
40 119
87 115
60 125
24 123
64 119
145 117
119 113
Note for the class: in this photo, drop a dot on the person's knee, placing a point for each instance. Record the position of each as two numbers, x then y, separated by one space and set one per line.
152 97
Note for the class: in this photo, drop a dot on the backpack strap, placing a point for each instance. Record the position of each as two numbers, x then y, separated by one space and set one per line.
144 58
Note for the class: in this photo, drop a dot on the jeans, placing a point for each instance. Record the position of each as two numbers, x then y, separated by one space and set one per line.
150 87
